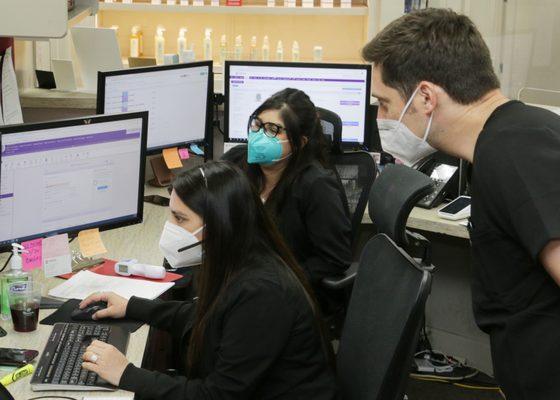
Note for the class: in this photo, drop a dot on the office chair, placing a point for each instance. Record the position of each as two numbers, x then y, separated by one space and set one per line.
332 129
393 196
4 394
382 324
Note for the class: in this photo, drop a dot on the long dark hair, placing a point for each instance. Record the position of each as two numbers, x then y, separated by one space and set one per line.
305 133
236 228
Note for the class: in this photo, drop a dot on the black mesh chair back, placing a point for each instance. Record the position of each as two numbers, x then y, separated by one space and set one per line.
393 195
332 129
382 323
357 172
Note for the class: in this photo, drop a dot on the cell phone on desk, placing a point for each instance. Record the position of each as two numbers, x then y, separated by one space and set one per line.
17 357
157 200
459 208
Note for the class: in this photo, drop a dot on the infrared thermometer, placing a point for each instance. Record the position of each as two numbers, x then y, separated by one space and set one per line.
132 267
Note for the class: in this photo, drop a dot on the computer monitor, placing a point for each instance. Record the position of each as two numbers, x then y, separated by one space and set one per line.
70 175
341 88
178 98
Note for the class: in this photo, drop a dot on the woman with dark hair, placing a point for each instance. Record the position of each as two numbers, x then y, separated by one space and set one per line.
254 332
288 164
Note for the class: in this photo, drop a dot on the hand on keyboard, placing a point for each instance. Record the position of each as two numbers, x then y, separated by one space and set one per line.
116 305
106 361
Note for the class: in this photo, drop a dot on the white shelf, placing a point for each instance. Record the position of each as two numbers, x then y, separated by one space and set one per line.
147 7
82 9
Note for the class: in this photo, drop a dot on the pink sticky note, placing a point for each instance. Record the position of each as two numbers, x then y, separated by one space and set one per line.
184 154
34 257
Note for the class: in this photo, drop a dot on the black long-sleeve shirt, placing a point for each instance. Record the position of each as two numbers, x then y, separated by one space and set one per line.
261 343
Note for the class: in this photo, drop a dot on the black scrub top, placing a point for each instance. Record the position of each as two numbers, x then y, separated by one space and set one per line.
515 213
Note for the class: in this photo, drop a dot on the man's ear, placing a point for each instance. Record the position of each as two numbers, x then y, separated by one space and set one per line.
428 95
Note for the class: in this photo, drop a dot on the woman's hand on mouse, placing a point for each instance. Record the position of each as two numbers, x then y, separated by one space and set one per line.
106 361
116 305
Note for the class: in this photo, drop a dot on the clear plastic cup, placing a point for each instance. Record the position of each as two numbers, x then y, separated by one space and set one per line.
25 299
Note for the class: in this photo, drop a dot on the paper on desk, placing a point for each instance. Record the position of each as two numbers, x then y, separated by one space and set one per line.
56 256
90 243
171 157
34 257
85 283
10 96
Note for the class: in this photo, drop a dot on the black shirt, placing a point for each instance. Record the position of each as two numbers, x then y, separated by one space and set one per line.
261 343
314 220
515 213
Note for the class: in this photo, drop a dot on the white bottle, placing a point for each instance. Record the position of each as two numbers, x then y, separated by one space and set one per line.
279 51
207 44
135 42
254 55
223 49
317 54
265 49
238 54
159 44
181 43
295 51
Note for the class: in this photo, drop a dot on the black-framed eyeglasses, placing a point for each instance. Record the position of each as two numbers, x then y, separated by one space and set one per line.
270 129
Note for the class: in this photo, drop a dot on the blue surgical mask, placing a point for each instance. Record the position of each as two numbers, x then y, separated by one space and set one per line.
263 149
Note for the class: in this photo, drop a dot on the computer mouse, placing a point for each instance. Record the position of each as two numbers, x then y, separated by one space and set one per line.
86 314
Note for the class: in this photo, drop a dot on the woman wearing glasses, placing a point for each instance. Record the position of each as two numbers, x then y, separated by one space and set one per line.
254 331
287 162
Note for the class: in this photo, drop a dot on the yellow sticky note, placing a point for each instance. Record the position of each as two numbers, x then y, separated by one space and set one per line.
172 159
90 243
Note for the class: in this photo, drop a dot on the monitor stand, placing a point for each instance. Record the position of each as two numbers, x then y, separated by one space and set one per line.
162 175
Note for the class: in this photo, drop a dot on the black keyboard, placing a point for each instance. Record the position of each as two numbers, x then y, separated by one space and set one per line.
60 366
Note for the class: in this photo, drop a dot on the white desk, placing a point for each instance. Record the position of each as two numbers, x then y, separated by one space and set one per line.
428 220
138 241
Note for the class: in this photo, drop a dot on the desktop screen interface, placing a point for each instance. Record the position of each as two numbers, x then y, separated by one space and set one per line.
175 98
69 178
341 90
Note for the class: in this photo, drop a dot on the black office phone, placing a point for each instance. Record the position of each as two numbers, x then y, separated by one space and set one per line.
444 177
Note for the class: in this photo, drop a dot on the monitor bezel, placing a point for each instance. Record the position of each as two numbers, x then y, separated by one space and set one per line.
88 120
345 144
207 140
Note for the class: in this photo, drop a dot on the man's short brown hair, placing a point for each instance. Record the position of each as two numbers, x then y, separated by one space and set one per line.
436 45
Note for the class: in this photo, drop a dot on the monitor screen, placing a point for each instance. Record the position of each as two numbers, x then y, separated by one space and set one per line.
341 88
66 176
177 98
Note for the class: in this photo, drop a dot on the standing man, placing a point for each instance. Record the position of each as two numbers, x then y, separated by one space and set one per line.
434 79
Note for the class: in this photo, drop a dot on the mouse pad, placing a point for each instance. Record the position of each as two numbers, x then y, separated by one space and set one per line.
65 310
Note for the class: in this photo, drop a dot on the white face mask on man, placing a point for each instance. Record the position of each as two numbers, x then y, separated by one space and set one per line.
180 247
401 142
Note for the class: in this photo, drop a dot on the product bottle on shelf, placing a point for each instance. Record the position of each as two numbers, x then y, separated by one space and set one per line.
207 45
265 49
223 49
134 42
295 51
279 51
317 54
159 42
238 55
181 43
254 52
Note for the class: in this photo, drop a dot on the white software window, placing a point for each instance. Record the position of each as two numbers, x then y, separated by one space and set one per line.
175 98
341 90
67 177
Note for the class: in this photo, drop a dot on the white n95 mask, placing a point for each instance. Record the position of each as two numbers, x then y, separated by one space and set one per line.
180 247
401 142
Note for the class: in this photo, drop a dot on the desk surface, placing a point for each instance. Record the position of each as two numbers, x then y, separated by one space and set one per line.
428 220
138 241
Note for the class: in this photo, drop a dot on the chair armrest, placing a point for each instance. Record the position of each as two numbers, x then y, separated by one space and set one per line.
342 281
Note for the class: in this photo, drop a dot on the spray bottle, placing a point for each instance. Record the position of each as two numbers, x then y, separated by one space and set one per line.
254 53
295 51
181 43
223 49
238 48
134 42
279 51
